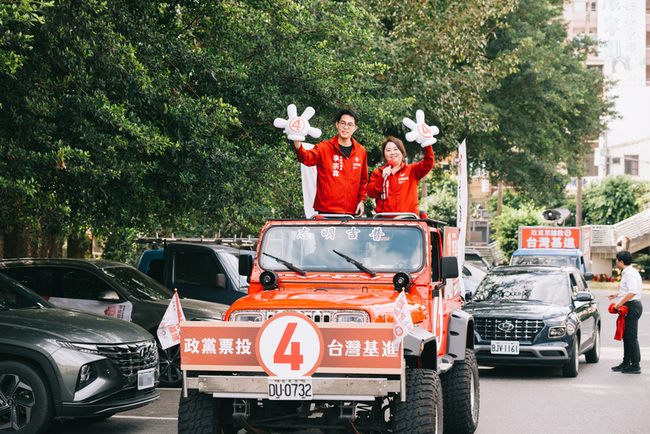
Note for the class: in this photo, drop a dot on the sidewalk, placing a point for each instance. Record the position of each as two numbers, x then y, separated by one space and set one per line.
613 286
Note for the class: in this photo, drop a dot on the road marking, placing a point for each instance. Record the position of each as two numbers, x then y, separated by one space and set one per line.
144 417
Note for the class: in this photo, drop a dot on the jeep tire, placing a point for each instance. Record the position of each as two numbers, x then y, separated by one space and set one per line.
200 413
460 391
422 411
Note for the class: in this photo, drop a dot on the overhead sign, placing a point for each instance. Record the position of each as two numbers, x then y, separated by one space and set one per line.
289 345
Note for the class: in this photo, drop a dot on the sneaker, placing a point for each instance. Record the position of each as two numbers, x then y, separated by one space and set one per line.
631 369
620 368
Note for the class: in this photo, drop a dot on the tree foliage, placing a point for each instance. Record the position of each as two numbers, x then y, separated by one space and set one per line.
507 226
134 117
16 20
612 200
547 111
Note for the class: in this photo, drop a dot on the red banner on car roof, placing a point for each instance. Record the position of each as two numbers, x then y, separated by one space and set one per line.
550 238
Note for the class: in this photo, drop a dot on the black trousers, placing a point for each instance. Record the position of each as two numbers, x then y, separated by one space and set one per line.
631 350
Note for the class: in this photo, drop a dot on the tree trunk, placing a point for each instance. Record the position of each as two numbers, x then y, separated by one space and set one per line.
500 198
579 203
16 243
78 247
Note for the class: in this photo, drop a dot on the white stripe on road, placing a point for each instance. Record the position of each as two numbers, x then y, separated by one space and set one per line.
144 417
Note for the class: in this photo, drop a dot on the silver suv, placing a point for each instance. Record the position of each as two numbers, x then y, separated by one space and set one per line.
65 363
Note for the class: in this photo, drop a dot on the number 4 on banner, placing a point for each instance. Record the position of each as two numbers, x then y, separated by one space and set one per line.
294 358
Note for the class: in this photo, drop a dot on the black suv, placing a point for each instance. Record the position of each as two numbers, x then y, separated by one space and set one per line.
535 315
67 363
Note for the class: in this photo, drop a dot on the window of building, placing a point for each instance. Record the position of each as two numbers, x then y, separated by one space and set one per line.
616 160
580 7
593 6
632 165
599 68
590 169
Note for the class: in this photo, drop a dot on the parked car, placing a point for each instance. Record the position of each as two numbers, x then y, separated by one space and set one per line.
472 276
201 271
535 315
112 288
64 363
473 257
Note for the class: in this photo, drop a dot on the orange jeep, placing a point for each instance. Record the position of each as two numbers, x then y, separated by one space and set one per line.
312 345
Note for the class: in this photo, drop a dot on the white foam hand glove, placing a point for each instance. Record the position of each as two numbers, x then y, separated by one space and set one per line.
297 127
420 132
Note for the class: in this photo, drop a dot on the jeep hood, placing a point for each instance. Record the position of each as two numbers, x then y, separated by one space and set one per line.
378 303
70 325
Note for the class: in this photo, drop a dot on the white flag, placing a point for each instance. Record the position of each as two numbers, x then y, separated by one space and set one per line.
461 211
169 330
402 322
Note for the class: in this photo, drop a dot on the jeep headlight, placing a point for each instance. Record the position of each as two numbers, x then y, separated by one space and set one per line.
348 317
247 316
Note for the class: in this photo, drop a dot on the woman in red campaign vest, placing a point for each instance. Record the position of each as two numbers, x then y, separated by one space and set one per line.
395 185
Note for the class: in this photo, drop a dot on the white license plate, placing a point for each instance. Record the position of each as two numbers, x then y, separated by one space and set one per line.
505 347
146 378
290 388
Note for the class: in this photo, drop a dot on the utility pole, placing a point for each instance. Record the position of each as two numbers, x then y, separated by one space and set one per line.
579 203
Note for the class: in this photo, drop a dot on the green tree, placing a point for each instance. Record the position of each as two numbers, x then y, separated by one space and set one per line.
612 199
507 226
17 18
442 203
547 111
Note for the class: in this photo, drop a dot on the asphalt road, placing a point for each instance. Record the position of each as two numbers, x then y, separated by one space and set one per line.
513 400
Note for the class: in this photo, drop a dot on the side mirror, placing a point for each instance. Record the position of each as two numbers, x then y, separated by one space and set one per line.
449 267
584 296
221 280
589 276
109 296
245 265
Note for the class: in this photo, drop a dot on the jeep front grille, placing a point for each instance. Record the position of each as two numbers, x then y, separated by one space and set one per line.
131 357
316 315
508 329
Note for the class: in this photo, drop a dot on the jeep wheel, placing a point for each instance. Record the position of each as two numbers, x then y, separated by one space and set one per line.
422 411
571 368
25 402
593 355
200 413
460 391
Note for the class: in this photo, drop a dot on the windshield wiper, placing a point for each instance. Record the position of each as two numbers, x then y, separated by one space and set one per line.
356 263
289 265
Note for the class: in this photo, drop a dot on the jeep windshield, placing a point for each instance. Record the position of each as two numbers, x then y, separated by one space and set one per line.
382 249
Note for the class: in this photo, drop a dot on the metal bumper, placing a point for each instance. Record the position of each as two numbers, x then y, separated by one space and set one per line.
324 388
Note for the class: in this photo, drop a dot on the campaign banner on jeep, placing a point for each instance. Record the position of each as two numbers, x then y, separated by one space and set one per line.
289 345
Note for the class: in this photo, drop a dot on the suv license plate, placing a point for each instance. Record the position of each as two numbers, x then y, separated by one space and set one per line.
505 347
146 378
290 388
